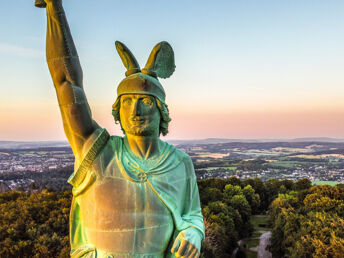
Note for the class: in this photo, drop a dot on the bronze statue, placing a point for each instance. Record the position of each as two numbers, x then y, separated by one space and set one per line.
133 196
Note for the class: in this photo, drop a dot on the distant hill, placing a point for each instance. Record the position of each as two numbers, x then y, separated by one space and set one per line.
224 140
31 145
317 139
44 144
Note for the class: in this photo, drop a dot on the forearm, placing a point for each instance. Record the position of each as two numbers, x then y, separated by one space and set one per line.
61 53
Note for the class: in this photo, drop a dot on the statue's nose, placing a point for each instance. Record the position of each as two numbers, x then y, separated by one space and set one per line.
136 110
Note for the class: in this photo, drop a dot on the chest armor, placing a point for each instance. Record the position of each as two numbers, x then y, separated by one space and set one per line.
124 217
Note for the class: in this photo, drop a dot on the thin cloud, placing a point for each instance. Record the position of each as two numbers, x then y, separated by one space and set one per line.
11 49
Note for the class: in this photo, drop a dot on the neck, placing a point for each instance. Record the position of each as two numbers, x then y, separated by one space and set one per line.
143 147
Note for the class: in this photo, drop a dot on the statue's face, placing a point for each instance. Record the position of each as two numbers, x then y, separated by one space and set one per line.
139 115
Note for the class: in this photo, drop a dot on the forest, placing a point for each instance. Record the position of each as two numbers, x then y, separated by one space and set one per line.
306 220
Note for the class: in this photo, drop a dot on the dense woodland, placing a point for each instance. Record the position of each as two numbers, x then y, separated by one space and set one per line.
34 224
228 205
306 221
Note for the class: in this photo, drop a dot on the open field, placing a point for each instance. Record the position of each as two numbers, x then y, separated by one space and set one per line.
331 183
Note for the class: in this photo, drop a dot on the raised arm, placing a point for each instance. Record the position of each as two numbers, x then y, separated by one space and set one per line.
66 73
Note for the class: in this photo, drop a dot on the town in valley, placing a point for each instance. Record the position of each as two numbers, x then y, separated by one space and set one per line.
21 165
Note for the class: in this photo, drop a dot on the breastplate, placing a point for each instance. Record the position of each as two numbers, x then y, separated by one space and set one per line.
124 217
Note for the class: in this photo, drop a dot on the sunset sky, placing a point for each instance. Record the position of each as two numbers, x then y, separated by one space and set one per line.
245 69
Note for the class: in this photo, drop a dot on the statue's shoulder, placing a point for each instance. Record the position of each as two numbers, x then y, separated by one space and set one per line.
186 159
94 143
173 149
102 142
182 157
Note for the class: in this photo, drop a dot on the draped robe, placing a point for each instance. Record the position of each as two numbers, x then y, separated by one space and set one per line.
124 206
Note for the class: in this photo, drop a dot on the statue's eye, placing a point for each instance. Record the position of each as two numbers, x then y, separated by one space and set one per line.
126 101
147 101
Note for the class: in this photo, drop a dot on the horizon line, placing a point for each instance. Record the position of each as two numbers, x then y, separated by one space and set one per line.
208 138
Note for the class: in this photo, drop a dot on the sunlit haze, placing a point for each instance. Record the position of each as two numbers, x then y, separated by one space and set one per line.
244 69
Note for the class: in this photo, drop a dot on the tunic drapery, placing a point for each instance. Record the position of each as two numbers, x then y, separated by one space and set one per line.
124 206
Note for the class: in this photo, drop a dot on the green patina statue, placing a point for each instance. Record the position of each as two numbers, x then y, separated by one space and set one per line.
133 196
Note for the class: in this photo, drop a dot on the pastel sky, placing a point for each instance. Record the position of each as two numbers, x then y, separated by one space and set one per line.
245 69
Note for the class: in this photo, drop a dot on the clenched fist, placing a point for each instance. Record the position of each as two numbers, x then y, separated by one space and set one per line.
43 3
187 244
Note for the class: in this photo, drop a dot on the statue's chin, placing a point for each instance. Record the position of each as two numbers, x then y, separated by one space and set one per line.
140 131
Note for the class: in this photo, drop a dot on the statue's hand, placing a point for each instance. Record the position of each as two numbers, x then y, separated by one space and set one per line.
52 1
43 3
186 244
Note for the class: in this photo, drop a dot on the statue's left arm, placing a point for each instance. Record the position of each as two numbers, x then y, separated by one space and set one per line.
188 242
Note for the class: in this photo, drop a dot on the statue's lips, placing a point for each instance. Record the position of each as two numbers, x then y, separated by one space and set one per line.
137 121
